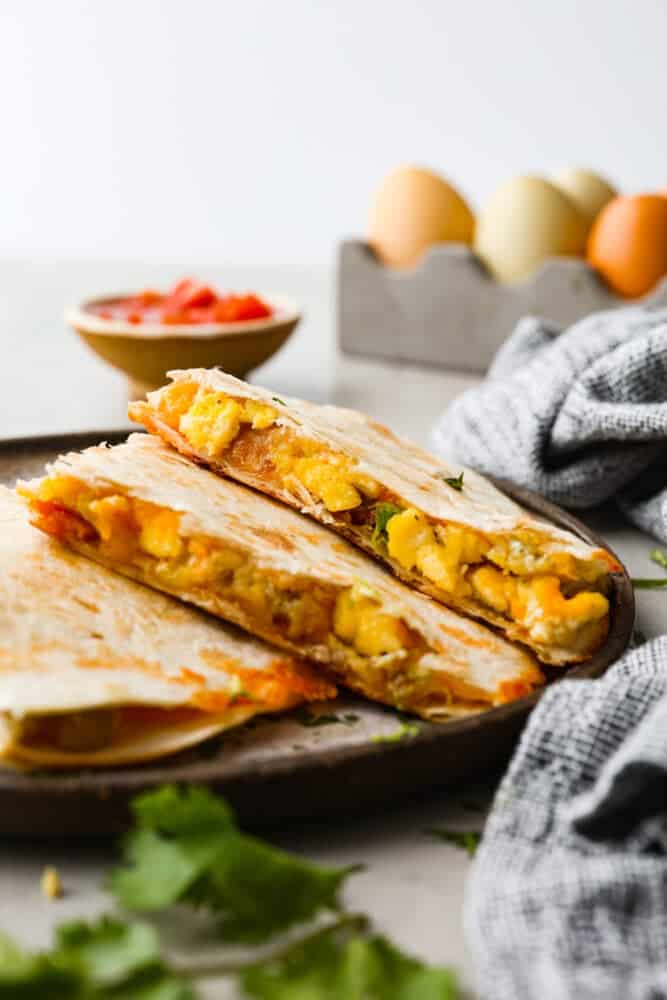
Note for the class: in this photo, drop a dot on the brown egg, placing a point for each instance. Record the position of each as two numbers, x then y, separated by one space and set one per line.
412 210
628 243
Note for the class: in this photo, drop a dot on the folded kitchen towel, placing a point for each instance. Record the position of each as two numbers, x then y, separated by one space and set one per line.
567 898
579 416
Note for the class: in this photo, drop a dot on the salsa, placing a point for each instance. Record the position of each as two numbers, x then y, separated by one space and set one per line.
189 301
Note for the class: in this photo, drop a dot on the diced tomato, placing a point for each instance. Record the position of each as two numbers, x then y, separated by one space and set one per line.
189 302
235 308
149 297
189 293
173 316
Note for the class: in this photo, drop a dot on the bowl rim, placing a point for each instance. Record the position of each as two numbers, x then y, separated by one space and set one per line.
80 319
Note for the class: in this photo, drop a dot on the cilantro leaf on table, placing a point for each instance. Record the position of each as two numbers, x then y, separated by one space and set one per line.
187 848
383 514
659 557
107 959
341 964
37 976
467 840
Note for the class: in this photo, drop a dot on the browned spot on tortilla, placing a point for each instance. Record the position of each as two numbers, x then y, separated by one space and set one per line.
466 639
275 538
108 659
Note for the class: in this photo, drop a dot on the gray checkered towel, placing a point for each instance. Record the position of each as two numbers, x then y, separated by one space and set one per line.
568 893
579 416
567 898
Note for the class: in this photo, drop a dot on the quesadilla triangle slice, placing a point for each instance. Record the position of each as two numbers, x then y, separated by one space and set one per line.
96 670
449 533
146 511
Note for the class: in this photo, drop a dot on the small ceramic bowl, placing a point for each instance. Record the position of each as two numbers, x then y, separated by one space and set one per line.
145 352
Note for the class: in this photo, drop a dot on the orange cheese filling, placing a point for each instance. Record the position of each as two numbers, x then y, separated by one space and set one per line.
147 542
513 577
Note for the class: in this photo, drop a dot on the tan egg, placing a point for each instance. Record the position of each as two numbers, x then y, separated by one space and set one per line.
588 190
527 221
412 210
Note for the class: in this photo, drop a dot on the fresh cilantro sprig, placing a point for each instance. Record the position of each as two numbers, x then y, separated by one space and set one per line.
187 848
341 963
383 514
659 557
113 960
107 959
467 840
650 583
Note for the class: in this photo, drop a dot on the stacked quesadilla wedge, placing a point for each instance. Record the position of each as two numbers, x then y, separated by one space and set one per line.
144 510
97 670
451 535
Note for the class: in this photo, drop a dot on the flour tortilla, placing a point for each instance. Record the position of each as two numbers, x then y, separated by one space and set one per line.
473 663
414 477
75 637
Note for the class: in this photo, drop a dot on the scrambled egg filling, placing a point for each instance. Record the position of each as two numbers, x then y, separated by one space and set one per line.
133 532
466 564
511 576
211 422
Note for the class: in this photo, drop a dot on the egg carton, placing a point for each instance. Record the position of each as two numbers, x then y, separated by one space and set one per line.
449 311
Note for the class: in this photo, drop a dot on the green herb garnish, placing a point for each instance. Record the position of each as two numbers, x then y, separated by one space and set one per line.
383 514
187 848
406 731
110 958
648 583
277 399
659 557
467 840
117 960
341 964
456 482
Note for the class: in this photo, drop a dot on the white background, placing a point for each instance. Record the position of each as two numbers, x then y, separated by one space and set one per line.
253 131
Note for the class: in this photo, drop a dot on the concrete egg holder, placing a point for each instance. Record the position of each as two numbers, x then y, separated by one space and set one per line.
450 311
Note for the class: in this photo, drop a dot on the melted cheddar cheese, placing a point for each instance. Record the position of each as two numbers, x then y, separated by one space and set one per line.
514 576
360 621
135 534
211 421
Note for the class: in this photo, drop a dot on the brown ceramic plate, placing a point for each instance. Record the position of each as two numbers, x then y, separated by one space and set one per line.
357 756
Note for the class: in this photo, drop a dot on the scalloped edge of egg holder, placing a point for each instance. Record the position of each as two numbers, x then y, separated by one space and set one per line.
449 310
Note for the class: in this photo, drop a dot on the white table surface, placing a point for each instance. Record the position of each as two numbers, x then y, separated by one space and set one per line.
413 885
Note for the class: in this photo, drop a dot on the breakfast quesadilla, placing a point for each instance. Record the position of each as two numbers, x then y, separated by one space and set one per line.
98 670
146 511
449 533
